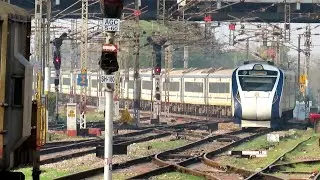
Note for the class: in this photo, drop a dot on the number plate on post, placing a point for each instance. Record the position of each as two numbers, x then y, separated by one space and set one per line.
110 24
107 79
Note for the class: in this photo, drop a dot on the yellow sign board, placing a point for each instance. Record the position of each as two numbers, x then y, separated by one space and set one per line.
83 71
302 79
71 114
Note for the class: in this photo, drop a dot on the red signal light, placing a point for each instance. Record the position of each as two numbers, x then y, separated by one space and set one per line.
158 70
57 59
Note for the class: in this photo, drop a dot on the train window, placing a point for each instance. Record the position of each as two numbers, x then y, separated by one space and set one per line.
193 86
146 85
17 91
257 83
130 84
94 83
174 86
219 88
66 81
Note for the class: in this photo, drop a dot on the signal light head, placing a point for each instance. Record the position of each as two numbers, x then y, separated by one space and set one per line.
157 71
109 62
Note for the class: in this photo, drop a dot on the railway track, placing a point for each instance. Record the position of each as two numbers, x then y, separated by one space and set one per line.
188 159
153 168
78 149
62 151
253 175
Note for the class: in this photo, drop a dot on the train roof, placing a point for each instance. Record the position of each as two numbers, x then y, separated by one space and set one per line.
9 9
191 72
252 65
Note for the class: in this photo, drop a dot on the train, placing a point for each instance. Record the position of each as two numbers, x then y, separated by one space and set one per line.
192 91
201 92
263 95
22 130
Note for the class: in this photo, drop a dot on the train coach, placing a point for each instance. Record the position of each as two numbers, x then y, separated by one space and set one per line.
209 92
263 95
22 122
191 91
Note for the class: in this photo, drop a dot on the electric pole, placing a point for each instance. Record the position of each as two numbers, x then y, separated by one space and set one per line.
247 49
84 57
47 71
39 97
185 57
168 66
287 19
73 62
137 80
307 54
299 74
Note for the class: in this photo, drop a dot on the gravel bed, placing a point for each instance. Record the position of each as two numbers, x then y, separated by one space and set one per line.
204 148
228 126
91 161
196 151
133 170
63 153
215 172
125 131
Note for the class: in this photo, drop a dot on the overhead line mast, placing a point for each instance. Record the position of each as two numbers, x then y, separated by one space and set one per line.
137 80
84 56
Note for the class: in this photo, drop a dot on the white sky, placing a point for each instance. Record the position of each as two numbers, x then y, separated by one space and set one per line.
222 34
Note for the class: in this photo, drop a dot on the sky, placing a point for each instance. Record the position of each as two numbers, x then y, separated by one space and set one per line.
222 34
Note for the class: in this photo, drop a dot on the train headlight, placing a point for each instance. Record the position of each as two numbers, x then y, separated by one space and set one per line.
258 67
275 98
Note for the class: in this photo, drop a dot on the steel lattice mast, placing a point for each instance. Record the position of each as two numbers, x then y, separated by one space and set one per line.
84 56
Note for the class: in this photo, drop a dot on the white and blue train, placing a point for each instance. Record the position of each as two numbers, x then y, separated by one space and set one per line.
263 95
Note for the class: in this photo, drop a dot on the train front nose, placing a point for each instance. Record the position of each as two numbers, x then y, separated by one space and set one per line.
256 106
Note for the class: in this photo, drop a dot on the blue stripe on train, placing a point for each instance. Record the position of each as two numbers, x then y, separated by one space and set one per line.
237 105
275 116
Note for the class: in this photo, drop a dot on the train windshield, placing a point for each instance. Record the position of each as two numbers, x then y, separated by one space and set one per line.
249 83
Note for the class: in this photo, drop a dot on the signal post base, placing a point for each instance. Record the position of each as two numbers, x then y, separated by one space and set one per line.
72 133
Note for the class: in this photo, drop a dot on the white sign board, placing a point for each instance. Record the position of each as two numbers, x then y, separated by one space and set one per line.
110 24
107 79
72 116
273 137
109 48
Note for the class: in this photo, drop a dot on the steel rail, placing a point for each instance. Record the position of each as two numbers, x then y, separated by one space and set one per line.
82 153
145 159
89 143
259 174
181 165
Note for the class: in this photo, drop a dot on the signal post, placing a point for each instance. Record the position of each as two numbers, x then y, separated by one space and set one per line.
112 11
157 77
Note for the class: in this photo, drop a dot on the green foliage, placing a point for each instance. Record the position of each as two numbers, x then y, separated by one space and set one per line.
51 104
199 57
